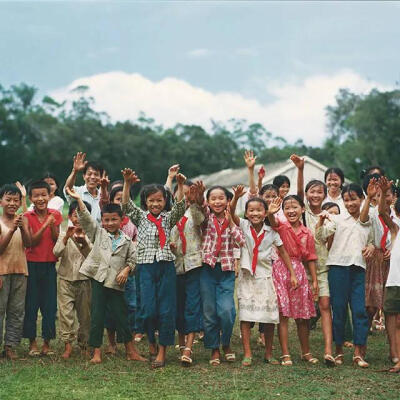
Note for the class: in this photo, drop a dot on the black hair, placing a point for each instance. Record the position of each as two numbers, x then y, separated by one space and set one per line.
316 182
116 183
74 205
49 175
10 188
39 185
269 187
111 208
187 183
280 180
147 190
397 206
367 171
293 197
330 204
337 171
114 191
257 200
353 187
367 179
227 193
94 165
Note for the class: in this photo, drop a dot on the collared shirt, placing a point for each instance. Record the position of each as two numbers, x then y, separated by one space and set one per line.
94 201
377 228
338 200
43 251
230 236
264 259
192 259
148 242
72 256
351 236
115 240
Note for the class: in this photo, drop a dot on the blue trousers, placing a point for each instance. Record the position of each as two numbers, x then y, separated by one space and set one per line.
41 294
188 302
216 288
157 301
347 286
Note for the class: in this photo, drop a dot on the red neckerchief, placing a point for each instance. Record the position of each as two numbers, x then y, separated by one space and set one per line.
124 221
158 223
220 230
257 242
181 227
385 233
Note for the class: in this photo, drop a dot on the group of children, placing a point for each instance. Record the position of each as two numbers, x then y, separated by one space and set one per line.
171 263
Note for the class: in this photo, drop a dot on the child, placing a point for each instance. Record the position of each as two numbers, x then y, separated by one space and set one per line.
92 173
14 237
108 265
41 291
217 280
299 303
315 193
74 293
346 276
186 245
282 182
256 293
334 180
155 267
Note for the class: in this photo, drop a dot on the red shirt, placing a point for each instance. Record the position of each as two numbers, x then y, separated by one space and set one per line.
43 252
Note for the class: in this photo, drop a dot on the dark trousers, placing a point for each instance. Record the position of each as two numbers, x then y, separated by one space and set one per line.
102 298
41 294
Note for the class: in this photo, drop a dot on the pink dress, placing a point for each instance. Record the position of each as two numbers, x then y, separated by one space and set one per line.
294 303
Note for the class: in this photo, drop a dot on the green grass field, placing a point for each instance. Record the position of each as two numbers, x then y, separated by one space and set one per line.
116 378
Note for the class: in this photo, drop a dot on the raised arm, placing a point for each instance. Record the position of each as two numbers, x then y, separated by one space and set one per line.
261 175
79 164
172 172
371 192
250 160
299 163
273 208
238 192
22 189
104 195
180 179
385 185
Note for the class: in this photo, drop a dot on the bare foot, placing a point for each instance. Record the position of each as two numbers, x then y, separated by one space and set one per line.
111 349
134 356
96 359
67 351
46 350
10 353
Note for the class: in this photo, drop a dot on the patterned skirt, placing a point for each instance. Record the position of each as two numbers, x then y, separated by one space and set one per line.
293 303
375 279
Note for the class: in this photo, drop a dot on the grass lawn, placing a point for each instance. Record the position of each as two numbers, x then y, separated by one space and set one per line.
116 378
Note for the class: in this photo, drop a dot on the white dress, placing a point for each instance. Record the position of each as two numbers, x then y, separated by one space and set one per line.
256 292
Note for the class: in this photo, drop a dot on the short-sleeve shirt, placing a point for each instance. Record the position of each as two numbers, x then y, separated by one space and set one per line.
43 252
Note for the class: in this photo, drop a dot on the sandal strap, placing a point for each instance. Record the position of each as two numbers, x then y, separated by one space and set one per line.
284 356
188 349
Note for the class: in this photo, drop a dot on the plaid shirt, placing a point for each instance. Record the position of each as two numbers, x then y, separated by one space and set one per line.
230 237
148 242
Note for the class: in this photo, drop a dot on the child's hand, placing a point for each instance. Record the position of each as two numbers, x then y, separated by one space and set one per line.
238 191
372 188
368 251
50 220
384 184
17 222
180 179
173 171
21 187
297 161
200 188
315 289
249 158
293 281
173 247
71 193
261 172
228 214
323 216
275 205
69 232
387 254
130 176
123 276
79 236
236 267
104 181
191 195
79 162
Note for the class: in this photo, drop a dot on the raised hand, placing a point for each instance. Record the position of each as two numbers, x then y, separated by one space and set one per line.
238 191
384 184
228 215
173 171
191 195
261 172
17 222
130 176
275 205
21 188
297 161
71 193
180 179
104 181
200 188
79 162
372 188
249 158
69 232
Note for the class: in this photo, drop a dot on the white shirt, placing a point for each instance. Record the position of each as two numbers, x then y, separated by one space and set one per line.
351 236
264 262
394 270
377 228
86 196
338 200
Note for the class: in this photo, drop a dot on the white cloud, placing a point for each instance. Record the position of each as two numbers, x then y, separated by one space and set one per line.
297 110
199 53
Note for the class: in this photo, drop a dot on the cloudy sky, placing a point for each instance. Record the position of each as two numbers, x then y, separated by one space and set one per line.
278 63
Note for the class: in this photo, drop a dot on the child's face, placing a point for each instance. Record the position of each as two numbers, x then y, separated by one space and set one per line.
352 203
269 195
52 184
334 210
92 178
217 201
315 195
118 198
111 222
156 202
284 190
40 198
256 213
333 182
74 219
10 203
389 198
293 211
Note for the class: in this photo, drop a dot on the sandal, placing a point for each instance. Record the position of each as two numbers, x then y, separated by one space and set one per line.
360 362
34 353
247 361
312 360
157 364
215 362
186 360
395 370
286 363
230 357
394 360
329 360
339 359
180 348
272 361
